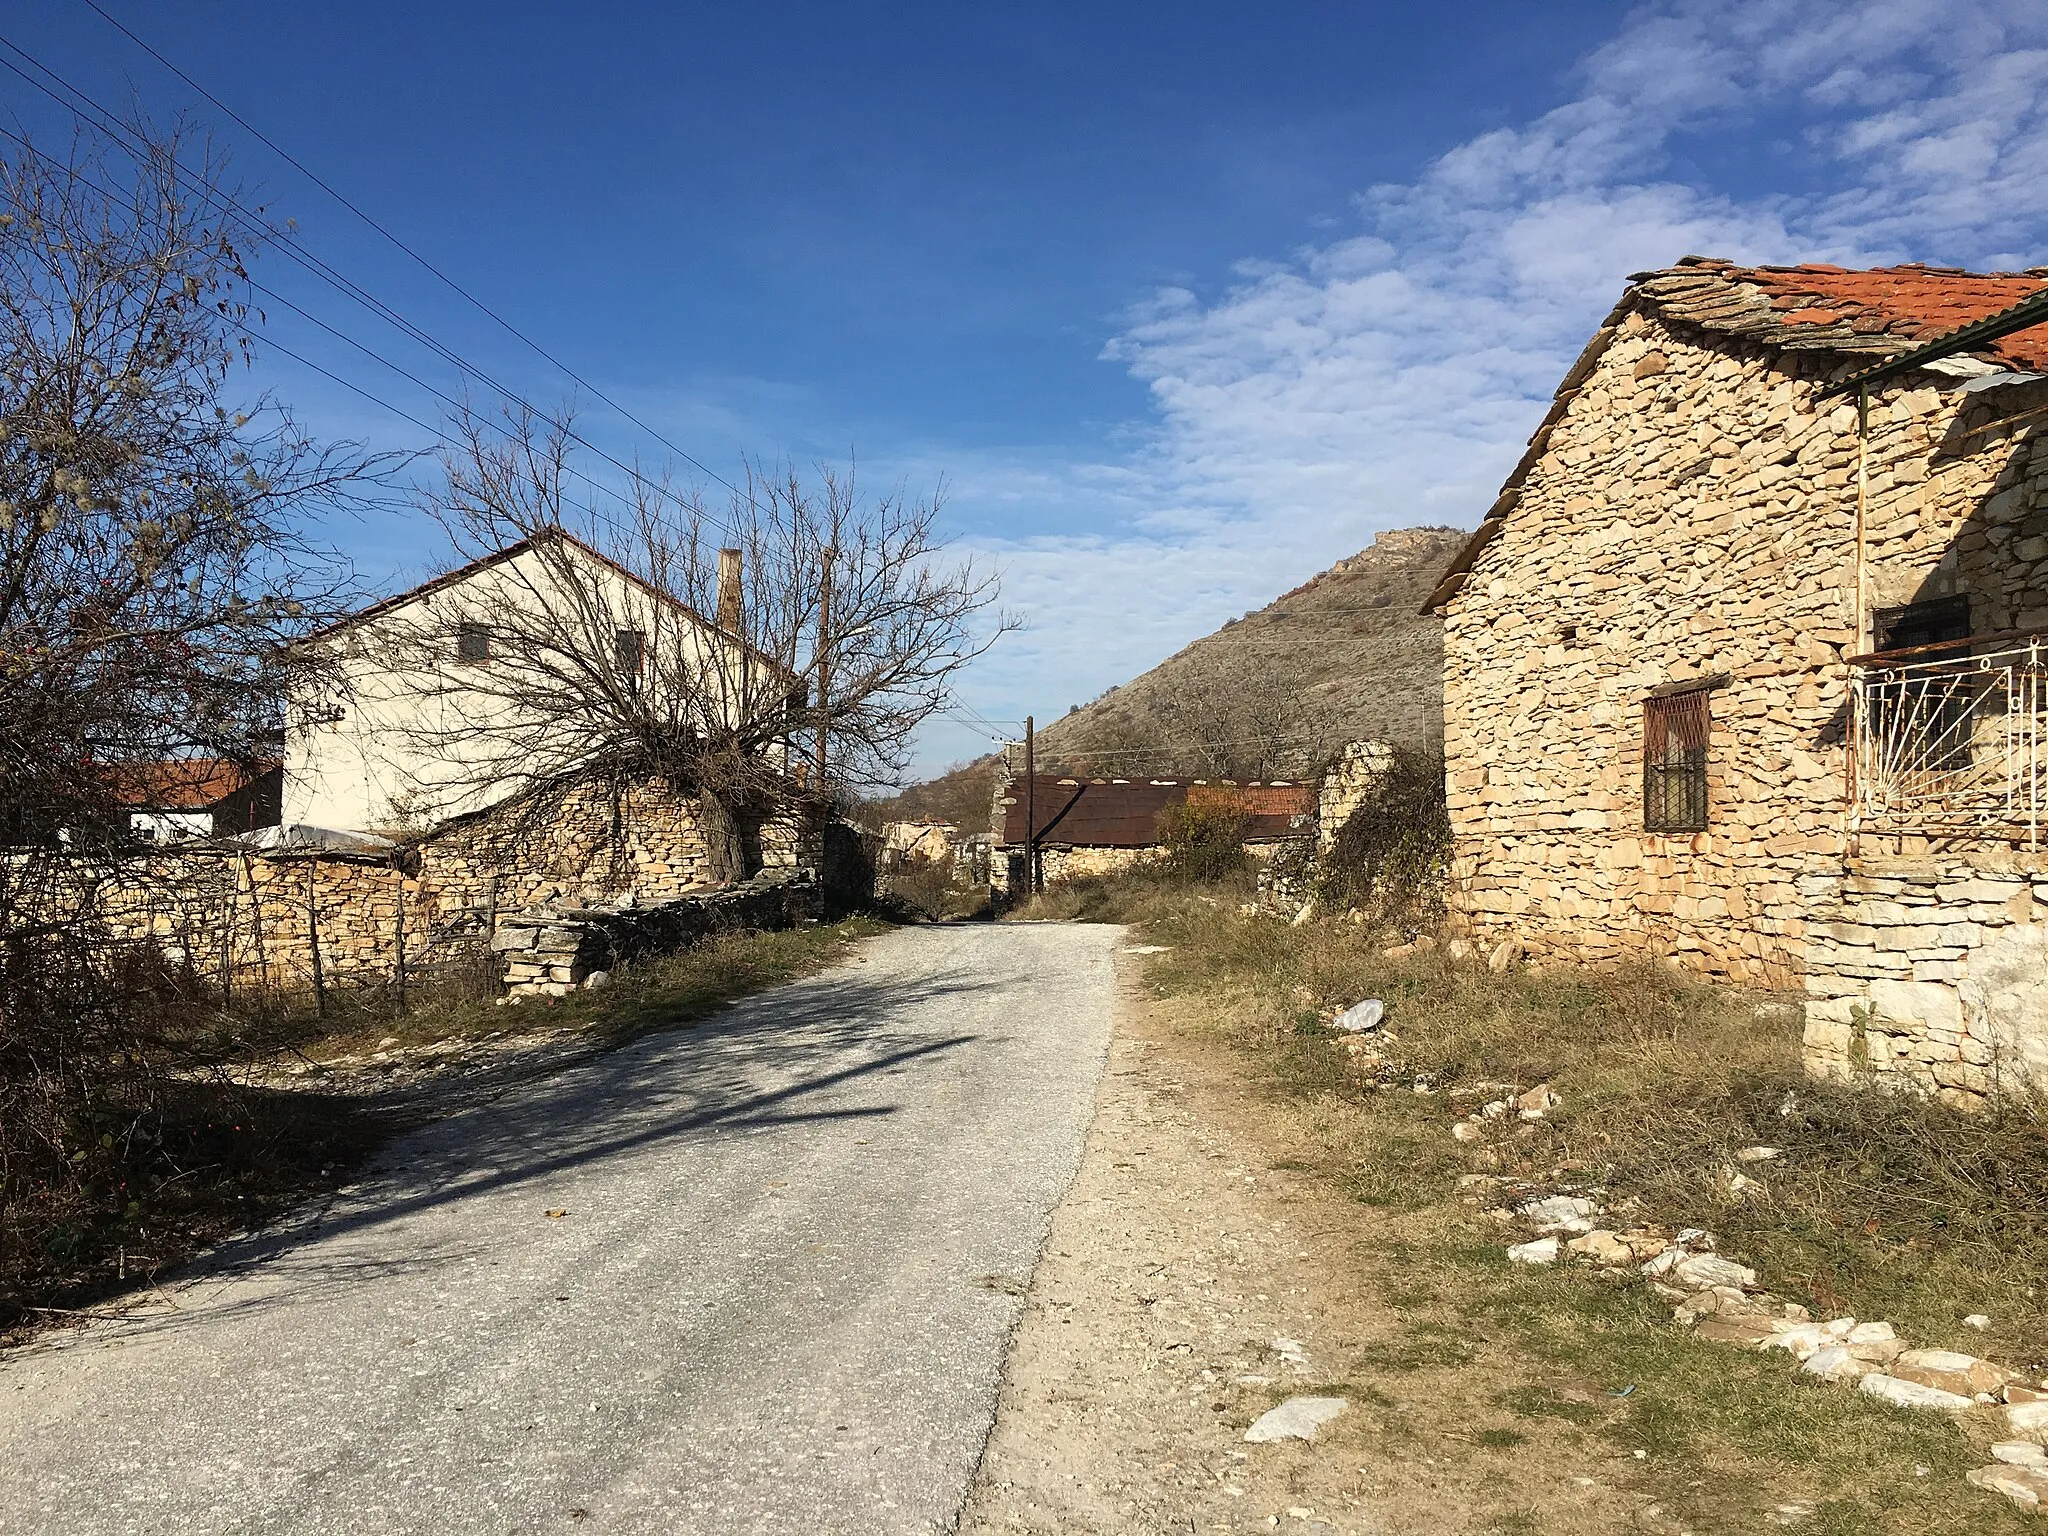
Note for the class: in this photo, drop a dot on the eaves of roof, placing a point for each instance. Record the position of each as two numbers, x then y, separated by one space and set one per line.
512 551
1875 314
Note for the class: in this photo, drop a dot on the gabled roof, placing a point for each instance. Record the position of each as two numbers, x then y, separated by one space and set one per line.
1122 813
1873 314
462 573
1816 307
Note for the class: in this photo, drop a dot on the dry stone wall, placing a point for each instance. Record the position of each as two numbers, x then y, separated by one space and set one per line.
551 950
1692 516
292 920
1931 969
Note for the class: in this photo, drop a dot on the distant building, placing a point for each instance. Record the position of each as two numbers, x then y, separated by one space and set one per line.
185 798
1082 827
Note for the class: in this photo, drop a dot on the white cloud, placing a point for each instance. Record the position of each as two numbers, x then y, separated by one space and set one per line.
1389 378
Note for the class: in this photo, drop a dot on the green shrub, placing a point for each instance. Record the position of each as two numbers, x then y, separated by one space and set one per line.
1204 842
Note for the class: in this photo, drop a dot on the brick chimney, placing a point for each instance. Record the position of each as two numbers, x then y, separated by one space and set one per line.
729 612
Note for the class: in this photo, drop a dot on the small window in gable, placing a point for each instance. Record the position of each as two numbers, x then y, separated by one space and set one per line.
630 650
1675 731
472 642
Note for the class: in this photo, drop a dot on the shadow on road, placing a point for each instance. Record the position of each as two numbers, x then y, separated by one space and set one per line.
755 1065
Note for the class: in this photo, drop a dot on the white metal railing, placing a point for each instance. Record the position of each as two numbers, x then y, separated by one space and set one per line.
1951 743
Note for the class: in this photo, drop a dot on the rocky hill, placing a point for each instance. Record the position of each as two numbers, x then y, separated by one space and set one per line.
1342 657
1346 655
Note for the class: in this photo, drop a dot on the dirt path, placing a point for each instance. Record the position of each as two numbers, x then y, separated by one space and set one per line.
1192 1281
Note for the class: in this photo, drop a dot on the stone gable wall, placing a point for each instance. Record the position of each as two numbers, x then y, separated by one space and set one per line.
1693 514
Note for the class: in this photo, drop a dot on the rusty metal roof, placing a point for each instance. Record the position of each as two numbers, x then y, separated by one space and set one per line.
1117 813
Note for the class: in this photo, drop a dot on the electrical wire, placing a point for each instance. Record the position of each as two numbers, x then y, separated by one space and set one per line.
484 308
264 339
291 247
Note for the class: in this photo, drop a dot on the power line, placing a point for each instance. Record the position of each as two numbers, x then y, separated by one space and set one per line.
324 186
290 247
437 434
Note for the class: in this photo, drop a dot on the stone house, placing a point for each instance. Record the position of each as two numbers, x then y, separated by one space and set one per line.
1084 827
1744 666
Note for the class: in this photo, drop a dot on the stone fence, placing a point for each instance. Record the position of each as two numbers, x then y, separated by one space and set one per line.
551 950
1930 970
305 919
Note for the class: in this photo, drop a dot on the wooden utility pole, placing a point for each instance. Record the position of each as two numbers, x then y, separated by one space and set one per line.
313 936
824 667
1030 808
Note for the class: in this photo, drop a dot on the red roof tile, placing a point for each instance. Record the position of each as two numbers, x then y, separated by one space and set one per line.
1878 310
183 784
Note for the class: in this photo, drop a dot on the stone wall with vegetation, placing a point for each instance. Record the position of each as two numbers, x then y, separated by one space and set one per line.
293 919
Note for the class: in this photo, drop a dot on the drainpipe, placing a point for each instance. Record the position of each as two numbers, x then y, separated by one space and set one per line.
1863 638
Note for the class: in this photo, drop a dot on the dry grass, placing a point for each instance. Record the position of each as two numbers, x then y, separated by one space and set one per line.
1882 1205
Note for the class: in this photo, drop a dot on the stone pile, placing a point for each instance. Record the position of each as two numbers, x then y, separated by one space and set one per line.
1723 1302
550 950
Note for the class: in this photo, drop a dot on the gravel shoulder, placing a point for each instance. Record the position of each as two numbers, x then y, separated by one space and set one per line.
1192 1281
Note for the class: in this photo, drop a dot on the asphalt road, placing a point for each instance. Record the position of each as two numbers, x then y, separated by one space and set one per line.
779 1300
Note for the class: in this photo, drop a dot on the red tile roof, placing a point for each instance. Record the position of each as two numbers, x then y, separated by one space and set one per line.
1814 306
184 784
1876 313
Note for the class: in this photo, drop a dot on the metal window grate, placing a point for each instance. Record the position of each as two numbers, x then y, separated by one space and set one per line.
1675 732
472 643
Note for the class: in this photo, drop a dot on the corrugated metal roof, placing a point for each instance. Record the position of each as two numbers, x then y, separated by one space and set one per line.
1111 813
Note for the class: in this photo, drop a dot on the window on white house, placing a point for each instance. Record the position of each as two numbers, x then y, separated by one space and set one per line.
1676 727
472 642
630 650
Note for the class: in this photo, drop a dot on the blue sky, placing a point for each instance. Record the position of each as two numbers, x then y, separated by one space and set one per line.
1186 301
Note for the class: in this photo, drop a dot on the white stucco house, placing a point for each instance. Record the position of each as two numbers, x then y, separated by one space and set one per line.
427 711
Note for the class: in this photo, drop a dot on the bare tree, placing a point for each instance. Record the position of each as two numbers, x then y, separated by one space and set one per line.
154 570
154 565
712 650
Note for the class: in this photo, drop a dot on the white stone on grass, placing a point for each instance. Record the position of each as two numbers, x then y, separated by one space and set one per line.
2020 1453
1296 1419
1541 1251
2027 1418
2025 1486
1835 1364
1910 1394
1360 1017
1559 1213
1704 1270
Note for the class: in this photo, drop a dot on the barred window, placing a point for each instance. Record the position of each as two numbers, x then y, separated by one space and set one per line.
472 642
1675 731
